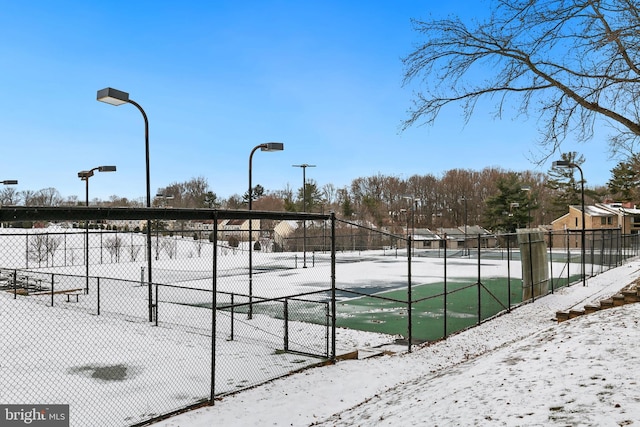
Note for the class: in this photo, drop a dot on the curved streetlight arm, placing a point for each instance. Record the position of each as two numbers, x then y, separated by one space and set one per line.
146 147
118 97
268 146
250 161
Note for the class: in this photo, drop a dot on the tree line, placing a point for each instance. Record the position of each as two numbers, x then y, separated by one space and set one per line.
494 198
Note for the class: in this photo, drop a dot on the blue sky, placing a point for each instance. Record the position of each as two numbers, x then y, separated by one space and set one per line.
217 78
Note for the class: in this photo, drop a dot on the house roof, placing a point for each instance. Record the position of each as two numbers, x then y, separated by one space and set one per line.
424 234
618 208
475 230
236 221
597 211
601 209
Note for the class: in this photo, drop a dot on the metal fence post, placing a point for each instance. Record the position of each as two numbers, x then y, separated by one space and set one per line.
52 290
533 290
98 293
551 259
409 324
445 291
326 326
155 306
568 258
479 287
508 273
233 317
333 286
214 309
285 316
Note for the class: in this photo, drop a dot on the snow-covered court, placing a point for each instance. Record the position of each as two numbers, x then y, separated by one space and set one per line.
519 369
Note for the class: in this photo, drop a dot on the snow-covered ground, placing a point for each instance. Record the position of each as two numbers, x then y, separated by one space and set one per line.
519 369
119 372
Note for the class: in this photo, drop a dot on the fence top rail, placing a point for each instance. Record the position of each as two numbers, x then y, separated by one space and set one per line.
57 213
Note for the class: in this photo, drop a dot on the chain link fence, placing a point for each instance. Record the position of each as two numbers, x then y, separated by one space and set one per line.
424 288
84 325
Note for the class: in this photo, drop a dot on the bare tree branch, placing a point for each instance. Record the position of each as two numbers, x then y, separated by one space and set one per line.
571 62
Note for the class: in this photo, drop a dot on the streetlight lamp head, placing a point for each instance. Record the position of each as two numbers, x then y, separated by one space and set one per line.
113 96
107 169
272 146
562 164
10 182
85 174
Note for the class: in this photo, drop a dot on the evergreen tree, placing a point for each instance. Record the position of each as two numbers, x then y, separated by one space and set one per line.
311 197
347 209
256 193
511 207
625 180
565 188
211 200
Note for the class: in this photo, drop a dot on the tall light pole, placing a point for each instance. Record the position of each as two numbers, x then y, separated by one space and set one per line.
269 146
304 167
117 97
84 176
568 164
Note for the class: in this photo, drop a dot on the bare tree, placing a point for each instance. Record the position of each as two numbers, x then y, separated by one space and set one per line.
135 251
9 196
51 244
195 192
72 201
41 246
47 197
198 243
570 62
234 202
170 247
114 246
37 250
189 194
28 196
329 193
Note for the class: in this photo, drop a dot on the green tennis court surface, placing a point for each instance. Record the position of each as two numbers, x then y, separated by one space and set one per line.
387 312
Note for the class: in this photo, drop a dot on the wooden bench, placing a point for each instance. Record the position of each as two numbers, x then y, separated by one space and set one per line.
79 291
73 294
